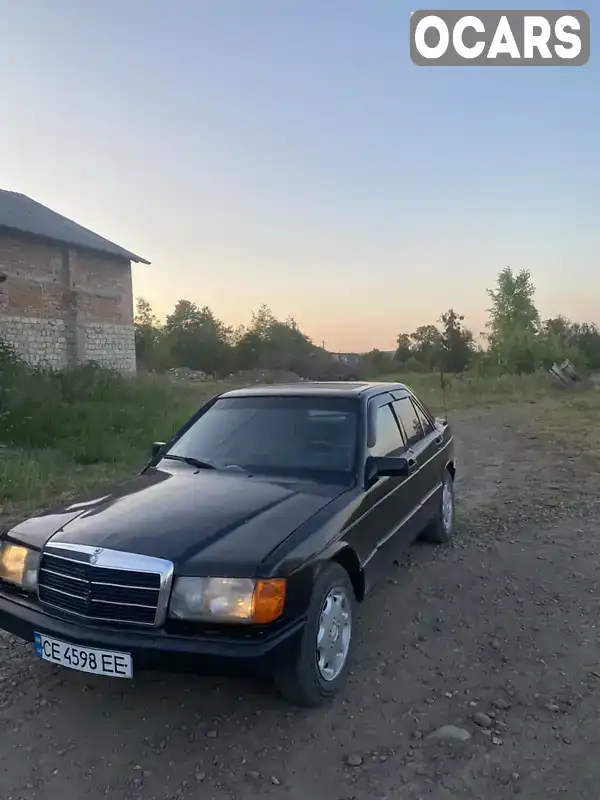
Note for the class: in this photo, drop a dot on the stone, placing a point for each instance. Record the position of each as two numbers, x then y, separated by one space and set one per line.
482 720
450 733
354 760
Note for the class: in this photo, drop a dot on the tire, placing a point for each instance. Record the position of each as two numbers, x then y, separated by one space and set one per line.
307 680
441 527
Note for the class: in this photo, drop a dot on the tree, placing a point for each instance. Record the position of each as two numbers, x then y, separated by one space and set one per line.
376 362
148 334
428 346
585 337
456 342
403 348
559 326
565 339
198 339
272 344
514 322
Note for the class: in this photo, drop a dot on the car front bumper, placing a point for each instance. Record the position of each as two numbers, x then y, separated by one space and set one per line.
154 648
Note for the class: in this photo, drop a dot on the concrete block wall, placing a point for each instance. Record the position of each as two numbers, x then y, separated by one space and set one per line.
111 346
39 341
60 307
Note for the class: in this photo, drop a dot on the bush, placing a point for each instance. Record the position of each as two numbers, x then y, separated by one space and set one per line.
414 366
88 413
8 357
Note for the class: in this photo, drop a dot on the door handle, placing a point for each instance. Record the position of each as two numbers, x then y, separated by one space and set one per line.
439 441
412 465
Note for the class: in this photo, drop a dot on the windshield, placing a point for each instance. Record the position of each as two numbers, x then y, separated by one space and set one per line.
304 437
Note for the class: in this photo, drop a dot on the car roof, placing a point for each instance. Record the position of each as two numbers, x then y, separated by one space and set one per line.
317 389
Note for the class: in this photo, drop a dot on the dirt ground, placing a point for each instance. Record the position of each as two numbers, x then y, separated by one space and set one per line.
496 635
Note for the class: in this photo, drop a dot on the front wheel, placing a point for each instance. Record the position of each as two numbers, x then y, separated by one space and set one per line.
321 664
441 527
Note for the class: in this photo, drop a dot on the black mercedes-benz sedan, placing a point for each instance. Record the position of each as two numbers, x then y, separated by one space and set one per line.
250 539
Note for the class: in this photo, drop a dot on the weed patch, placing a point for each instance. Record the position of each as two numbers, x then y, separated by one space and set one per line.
65 431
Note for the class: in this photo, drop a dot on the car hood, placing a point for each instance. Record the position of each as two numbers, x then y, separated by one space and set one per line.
206 522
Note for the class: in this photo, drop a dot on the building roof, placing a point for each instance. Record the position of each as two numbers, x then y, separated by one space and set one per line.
21 214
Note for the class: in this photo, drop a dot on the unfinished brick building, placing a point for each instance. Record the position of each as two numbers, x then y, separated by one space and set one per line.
65 292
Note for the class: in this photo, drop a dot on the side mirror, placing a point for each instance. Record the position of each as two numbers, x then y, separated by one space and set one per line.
156 448
392 467
388 467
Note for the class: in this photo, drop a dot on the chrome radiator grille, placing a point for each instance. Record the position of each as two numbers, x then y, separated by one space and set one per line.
105 585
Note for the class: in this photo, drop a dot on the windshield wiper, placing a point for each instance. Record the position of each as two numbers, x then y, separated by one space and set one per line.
193 462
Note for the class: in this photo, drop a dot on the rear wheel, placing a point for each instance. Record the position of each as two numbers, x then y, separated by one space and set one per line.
321 664
441 527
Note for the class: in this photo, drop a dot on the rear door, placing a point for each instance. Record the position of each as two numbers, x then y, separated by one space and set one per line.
425 445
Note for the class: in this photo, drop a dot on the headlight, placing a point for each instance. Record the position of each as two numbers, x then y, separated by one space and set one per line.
19 565
227 600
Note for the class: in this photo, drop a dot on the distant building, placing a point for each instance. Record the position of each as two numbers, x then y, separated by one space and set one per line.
346 358
65 292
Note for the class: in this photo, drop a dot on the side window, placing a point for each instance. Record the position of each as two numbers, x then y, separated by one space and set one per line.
426 423
388 438
405 411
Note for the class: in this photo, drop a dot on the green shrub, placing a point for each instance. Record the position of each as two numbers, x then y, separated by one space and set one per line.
414 366
8 357
88 413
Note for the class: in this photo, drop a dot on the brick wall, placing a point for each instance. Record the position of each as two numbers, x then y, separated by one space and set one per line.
59 307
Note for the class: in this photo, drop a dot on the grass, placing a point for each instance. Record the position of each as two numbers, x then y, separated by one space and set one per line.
468 391
62 434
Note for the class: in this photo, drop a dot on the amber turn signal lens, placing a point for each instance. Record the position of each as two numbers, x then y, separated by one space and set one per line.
269 600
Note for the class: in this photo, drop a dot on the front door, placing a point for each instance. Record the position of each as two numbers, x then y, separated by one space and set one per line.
377 525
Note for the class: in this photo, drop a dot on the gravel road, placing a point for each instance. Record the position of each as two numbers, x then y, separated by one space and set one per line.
495 637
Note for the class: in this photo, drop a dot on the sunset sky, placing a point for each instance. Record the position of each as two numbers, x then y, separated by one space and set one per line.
288 152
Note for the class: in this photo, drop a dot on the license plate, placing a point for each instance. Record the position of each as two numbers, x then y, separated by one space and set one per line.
84 659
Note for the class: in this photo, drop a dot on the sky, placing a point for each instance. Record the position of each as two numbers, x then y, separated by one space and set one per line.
288 152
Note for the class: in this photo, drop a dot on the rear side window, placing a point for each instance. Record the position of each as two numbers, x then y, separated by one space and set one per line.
405 411
426 423
388 438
